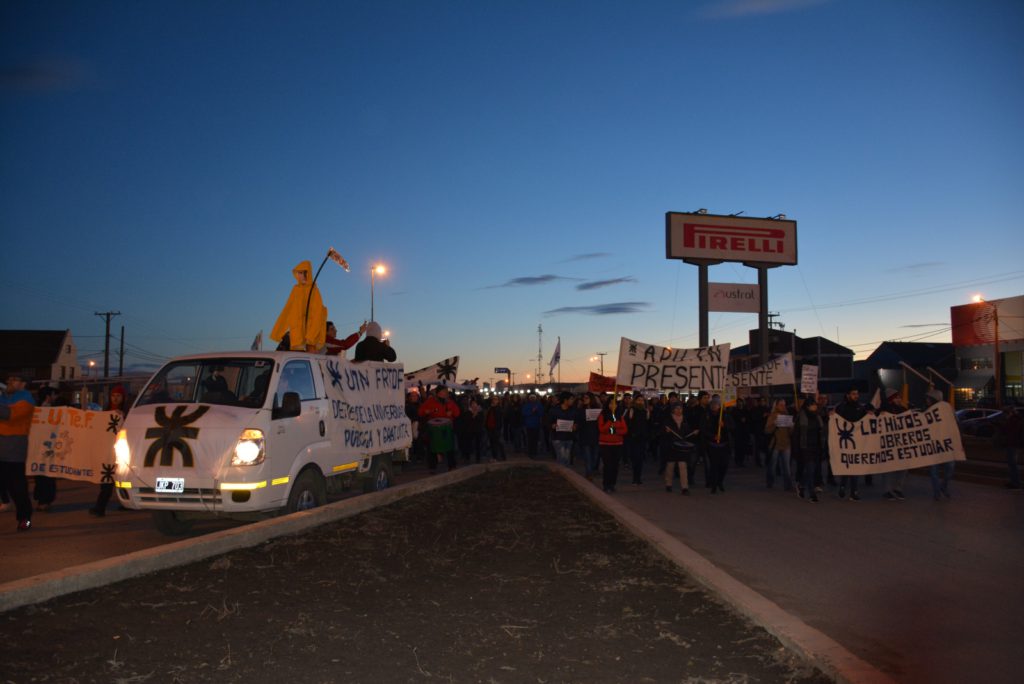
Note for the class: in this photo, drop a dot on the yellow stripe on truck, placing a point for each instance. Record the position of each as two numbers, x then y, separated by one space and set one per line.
345 466
279 480
234 486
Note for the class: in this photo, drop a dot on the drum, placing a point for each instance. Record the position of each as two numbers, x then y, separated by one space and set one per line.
442 436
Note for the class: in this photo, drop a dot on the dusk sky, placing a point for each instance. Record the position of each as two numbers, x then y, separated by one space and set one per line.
510 162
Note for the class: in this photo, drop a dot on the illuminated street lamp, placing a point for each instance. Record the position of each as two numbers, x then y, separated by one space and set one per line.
376 269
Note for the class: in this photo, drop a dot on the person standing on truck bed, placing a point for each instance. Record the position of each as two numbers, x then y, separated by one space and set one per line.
371 348
336 347
304 317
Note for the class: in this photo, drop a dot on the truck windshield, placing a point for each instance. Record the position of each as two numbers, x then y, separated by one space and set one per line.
228 381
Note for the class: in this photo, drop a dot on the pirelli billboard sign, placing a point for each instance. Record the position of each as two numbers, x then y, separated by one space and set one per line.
710 237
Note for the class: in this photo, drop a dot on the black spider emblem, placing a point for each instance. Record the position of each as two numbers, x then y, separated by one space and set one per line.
114 424
846 440
171 436
632 349
446 369
335 372
108 474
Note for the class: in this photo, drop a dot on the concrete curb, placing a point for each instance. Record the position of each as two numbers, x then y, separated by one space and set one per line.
808 643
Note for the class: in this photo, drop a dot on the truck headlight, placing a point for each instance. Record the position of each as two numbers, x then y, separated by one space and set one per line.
122 454
249 448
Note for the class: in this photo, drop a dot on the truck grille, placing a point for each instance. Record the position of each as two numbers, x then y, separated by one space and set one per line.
191 495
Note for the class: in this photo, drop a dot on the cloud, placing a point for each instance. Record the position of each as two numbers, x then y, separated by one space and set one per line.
601 309
527 281
589 255
918 267
46 75
595 284
738 9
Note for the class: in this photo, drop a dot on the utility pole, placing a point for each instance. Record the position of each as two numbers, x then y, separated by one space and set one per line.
602 355
106 347
120 358
540 352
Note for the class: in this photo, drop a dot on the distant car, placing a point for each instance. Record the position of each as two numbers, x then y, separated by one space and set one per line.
973 414
984 426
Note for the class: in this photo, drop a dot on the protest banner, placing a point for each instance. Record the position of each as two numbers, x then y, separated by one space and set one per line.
809 379
602 383
889 442
650 367
368 406
778 371
441 373
73 444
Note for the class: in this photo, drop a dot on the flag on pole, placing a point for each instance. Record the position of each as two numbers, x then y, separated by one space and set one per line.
555 357
257 343
876 400
337 258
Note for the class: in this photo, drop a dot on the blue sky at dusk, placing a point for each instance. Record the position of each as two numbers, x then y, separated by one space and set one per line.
174 161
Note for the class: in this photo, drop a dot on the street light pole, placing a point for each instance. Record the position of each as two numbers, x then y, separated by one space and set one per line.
377 268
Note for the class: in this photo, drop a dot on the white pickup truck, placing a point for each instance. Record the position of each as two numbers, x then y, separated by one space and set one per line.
247 434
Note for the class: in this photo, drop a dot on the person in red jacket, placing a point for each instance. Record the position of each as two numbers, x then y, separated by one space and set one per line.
440 412
611 429
336 347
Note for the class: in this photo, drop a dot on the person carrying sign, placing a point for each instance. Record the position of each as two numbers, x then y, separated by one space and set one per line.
779 426
895 480
563 428
851 411
676 449
16 408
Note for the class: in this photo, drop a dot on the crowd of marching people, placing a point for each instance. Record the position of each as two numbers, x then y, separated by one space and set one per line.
675 437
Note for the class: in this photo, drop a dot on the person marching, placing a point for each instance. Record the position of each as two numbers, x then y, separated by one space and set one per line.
810 441
676 449
440 411
16 409
611 431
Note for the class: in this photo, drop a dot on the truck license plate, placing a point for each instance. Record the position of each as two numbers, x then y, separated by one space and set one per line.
170 485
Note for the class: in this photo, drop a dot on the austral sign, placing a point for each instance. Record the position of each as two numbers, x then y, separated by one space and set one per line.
716 238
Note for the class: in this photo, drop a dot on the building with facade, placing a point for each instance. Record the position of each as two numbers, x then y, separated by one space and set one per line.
41 356
988 337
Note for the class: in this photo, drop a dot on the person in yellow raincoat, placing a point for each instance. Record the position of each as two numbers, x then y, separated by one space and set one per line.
304 316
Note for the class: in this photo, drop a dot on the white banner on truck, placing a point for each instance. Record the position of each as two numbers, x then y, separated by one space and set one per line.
367 407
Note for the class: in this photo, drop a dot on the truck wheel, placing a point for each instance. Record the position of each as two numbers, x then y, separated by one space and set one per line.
381 479
168 522
309 491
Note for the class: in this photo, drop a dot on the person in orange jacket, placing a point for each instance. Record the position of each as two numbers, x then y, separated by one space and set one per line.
16 409
611 430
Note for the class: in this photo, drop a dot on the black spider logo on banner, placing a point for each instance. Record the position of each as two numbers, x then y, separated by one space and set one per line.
114 424
446 369
632 349
846 440
107 476
335 372
172 434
